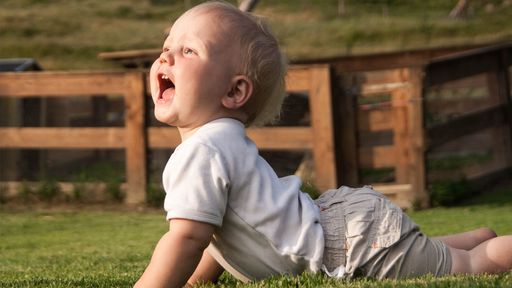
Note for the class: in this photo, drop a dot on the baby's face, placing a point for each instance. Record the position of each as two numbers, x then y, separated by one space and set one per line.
193 72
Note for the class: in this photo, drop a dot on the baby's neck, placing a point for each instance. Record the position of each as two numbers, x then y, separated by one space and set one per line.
187 132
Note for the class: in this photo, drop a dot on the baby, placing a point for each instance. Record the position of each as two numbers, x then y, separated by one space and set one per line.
220 71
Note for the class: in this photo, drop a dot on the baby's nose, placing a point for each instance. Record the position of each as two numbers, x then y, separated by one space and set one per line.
166 57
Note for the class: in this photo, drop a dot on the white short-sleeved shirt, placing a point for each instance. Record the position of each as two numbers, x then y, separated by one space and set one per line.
265 224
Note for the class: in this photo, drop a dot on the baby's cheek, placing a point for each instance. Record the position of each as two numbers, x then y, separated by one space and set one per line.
153 79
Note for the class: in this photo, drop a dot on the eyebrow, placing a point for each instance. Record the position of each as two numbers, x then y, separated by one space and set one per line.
197 42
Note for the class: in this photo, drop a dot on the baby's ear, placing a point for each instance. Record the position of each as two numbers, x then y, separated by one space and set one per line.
239 94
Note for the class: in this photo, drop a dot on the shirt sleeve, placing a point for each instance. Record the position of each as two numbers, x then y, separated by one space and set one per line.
196 184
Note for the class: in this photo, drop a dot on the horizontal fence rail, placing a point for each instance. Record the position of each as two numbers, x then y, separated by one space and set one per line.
135 138
129 85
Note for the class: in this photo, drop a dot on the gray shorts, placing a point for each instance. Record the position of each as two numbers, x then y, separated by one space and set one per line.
368 236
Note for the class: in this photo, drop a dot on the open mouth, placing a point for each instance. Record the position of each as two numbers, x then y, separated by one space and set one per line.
166 86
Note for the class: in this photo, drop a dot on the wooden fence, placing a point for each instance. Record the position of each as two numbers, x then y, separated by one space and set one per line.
360 120
391 133
136 138
391 129
490 115
387 134
129 85
383 130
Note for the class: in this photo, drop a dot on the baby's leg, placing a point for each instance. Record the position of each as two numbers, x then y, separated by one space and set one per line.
492 256
468 240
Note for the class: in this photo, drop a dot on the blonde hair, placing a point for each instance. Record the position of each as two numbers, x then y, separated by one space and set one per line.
260 60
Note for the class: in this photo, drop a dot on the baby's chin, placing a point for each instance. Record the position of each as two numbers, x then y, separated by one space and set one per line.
162 116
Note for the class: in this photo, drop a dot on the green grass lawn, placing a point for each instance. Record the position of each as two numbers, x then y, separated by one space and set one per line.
91 248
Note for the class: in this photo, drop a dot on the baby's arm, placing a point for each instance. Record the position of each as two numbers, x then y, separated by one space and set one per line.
208 270
177 254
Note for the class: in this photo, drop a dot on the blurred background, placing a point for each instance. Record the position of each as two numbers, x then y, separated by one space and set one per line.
70 34
366 42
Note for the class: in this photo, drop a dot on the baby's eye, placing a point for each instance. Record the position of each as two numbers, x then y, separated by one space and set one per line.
188 51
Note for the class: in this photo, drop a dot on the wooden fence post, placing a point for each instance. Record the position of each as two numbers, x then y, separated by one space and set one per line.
135 137
10 112
401 101
345 127
416 137
320 101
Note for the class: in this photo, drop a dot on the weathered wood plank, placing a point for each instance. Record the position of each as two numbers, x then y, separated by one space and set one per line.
320 102
466 124
401 138
283 138
163 137
391 60
65 138
377 157
447 69
270 138
374 120
135 138
472 81
367 84
63 84
345 126
398 193
369 90
382 77
130 54
298 79
417 174
444 107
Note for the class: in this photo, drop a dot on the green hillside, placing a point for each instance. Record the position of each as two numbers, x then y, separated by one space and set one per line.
69 34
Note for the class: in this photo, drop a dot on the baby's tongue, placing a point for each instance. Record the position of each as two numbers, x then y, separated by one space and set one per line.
168 93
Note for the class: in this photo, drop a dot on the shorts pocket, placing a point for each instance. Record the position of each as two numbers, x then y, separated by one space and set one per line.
359 221
389 227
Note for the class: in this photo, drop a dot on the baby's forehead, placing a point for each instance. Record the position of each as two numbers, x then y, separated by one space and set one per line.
226 19
202 23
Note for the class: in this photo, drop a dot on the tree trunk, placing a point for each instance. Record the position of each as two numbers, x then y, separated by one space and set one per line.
460 10
342 8
247 5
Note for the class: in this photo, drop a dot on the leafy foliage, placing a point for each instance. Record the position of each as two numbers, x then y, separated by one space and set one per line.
448 192
48 189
